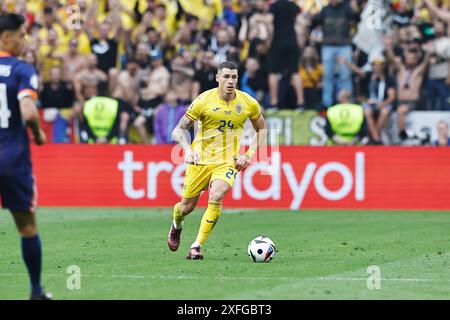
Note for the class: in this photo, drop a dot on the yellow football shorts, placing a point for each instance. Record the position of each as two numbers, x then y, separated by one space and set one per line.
198 177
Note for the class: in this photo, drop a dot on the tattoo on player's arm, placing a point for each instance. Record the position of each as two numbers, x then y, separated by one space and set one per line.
185 123
181 134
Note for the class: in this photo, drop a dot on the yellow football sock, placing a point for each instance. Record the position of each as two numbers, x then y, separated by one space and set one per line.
209 220
177 216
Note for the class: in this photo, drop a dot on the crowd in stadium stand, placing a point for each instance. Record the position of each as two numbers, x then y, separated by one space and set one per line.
151 58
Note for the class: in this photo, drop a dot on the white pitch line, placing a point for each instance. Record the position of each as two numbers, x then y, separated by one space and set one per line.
128 276
136 276
383 279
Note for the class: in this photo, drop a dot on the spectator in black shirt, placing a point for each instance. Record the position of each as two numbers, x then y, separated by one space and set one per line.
205 74
57 97
404 14
253 81
284 52
104 46
380 95
258 49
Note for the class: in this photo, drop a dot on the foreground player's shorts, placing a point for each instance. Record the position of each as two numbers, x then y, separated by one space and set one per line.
198 177
18 193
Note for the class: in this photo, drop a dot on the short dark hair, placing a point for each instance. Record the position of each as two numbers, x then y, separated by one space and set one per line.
48 10
227 64
191 17
130 59
11 22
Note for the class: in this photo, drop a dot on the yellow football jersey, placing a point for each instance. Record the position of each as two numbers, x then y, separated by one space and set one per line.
220 124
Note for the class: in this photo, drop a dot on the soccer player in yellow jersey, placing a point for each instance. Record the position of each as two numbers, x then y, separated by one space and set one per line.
213 159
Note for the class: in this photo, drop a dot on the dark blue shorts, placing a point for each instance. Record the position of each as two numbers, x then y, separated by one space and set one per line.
18 193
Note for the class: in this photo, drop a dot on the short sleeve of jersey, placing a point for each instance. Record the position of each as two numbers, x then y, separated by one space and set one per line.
28 81
390 82
195 109
254 108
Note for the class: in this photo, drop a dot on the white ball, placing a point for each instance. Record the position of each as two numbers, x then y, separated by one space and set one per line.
261 249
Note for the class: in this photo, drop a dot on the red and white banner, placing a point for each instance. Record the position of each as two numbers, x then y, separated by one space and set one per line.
301 177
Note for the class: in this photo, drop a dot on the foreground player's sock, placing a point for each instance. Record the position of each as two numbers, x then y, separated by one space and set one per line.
209 220
177 216
32 255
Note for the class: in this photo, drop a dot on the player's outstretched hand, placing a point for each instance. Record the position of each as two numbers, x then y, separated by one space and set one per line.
40 137
242 162
190 156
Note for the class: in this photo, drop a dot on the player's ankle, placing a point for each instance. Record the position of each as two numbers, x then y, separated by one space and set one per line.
176 225
196 245
36 289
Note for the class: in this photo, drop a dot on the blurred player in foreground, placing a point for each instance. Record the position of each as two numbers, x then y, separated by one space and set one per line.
213 160
18 92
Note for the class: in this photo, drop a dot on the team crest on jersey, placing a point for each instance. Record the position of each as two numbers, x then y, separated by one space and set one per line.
5 70
34 82
238 108
227 112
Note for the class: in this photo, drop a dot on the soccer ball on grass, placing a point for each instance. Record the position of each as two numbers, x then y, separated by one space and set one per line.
261 249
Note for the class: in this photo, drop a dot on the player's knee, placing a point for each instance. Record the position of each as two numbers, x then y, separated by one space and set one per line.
28 230
216 195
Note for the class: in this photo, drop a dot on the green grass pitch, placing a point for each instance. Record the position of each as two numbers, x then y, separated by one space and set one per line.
123 254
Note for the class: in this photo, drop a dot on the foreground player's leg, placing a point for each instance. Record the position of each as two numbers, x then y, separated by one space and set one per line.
178 218
31 252
180 211
209 220
217 191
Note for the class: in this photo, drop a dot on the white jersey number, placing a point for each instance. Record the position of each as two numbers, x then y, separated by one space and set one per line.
5 113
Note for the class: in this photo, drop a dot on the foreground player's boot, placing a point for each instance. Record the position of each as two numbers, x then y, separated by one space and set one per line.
173 240
43 296
194 254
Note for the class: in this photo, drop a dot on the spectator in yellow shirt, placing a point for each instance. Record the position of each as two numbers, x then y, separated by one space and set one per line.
50 54
311 75
205 10
50 22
